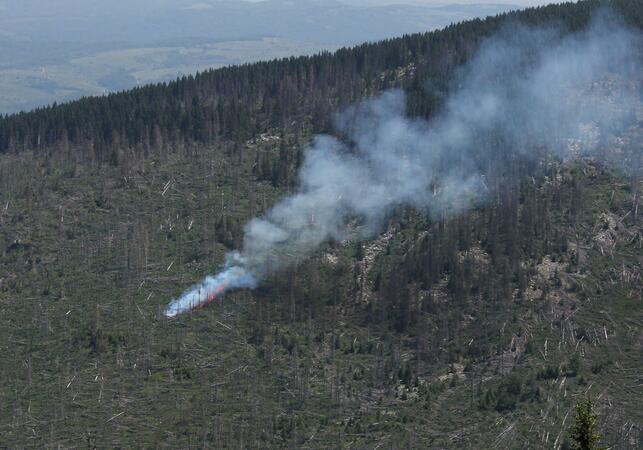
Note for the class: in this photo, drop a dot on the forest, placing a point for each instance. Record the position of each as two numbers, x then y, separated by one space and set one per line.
475 330
233 104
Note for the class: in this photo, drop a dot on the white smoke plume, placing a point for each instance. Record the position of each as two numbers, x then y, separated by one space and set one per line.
526 90
212 288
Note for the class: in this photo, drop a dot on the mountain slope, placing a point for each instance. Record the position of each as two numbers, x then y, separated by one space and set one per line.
237 102
474 331
314 358
130 43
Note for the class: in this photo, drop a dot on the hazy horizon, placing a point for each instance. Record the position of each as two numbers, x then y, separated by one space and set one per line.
63 50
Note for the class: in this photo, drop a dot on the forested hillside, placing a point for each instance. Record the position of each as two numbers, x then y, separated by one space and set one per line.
474 330
239 102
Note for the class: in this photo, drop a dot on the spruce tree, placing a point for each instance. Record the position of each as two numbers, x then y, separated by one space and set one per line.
584 431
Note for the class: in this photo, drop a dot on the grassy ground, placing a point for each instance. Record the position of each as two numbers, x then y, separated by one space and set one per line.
91 256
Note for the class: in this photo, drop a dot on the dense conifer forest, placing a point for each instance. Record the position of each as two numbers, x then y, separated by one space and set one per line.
236 103
477 330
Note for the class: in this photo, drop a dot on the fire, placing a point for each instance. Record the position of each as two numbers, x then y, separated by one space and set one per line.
211 289
212 297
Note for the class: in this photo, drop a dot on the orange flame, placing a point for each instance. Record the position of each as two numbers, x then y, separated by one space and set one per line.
212 297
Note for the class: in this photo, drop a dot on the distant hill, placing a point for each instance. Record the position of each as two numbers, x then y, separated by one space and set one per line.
67 49
243 100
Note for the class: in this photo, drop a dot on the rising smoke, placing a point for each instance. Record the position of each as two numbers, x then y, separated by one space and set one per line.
533 91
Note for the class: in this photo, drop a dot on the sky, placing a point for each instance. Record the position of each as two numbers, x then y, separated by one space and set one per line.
46 6
442 2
